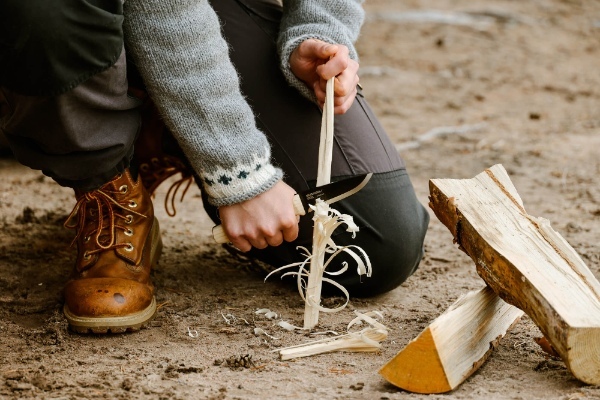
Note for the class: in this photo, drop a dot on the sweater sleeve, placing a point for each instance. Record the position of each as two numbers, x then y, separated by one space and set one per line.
332 21
179 50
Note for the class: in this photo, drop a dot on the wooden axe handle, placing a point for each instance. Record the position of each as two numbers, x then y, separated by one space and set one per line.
219 233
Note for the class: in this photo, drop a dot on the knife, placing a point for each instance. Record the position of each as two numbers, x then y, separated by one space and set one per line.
329 193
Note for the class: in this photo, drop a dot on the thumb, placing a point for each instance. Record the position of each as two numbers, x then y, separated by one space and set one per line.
327 50
320 49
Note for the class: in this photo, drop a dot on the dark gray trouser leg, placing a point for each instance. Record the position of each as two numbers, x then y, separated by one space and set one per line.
392 222
81 138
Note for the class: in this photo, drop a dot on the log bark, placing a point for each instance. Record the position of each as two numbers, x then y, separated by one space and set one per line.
453 346
526 262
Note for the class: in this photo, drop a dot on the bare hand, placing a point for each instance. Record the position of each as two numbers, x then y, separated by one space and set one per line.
265 220
315 61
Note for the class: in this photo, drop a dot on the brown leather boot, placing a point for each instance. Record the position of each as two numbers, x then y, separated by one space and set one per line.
118 242
158 154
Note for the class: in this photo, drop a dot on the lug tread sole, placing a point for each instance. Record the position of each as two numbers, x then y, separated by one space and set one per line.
127 323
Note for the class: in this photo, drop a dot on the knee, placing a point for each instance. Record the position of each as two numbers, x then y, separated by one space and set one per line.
391 267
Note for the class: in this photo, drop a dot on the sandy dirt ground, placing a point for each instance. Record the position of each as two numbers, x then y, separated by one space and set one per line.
502 81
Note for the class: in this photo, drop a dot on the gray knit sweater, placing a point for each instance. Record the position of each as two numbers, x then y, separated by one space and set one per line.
183 58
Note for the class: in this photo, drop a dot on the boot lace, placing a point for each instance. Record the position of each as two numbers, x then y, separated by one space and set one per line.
157 172
103 207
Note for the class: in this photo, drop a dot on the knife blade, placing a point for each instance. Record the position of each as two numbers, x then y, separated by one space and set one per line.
333 192
329 193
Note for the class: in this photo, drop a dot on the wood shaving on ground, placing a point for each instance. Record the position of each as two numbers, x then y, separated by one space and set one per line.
232 319
366 340
267 313
260 331
289 327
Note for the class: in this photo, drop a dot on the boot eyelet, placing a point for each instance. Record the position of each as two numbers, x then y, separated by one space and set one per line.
155 161
86 256
128 219
128 232
86 239
123 189
129 247
132 204
144 167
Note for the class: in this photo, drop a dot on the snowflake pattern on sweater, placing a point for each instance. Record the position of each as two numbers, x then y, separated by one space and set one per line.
227 184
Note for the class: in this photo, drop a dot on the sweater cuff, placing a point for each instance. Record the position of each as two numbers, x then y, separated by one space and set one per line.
245 181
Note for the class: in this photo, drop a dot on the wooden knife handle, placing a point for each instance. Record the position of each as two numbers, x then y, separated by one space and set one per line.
220 236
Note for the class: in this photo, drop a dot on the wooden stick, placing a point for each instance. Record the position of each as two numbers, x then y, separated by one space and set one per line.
315 276
526 262
313 285
326 143
453 346
366 340
350 343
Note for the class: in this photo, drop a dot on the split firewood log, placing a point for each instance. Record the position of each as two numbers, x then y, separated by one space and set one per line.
453 346
526 263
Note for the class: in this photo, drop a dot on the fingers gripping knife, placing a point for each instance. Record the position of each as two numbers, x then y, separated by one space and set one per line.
329 193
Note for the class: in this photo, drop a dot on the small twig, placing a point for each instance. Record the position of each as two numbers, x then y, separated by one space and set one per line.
439 131
477 22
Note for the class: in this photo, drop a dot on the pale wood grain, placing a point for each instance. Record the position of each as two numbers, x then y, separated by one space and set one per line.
315 277
526 262
454 345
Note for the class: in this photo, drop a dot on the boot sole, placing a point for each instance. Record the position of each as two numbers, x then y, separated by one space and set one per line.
127 323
